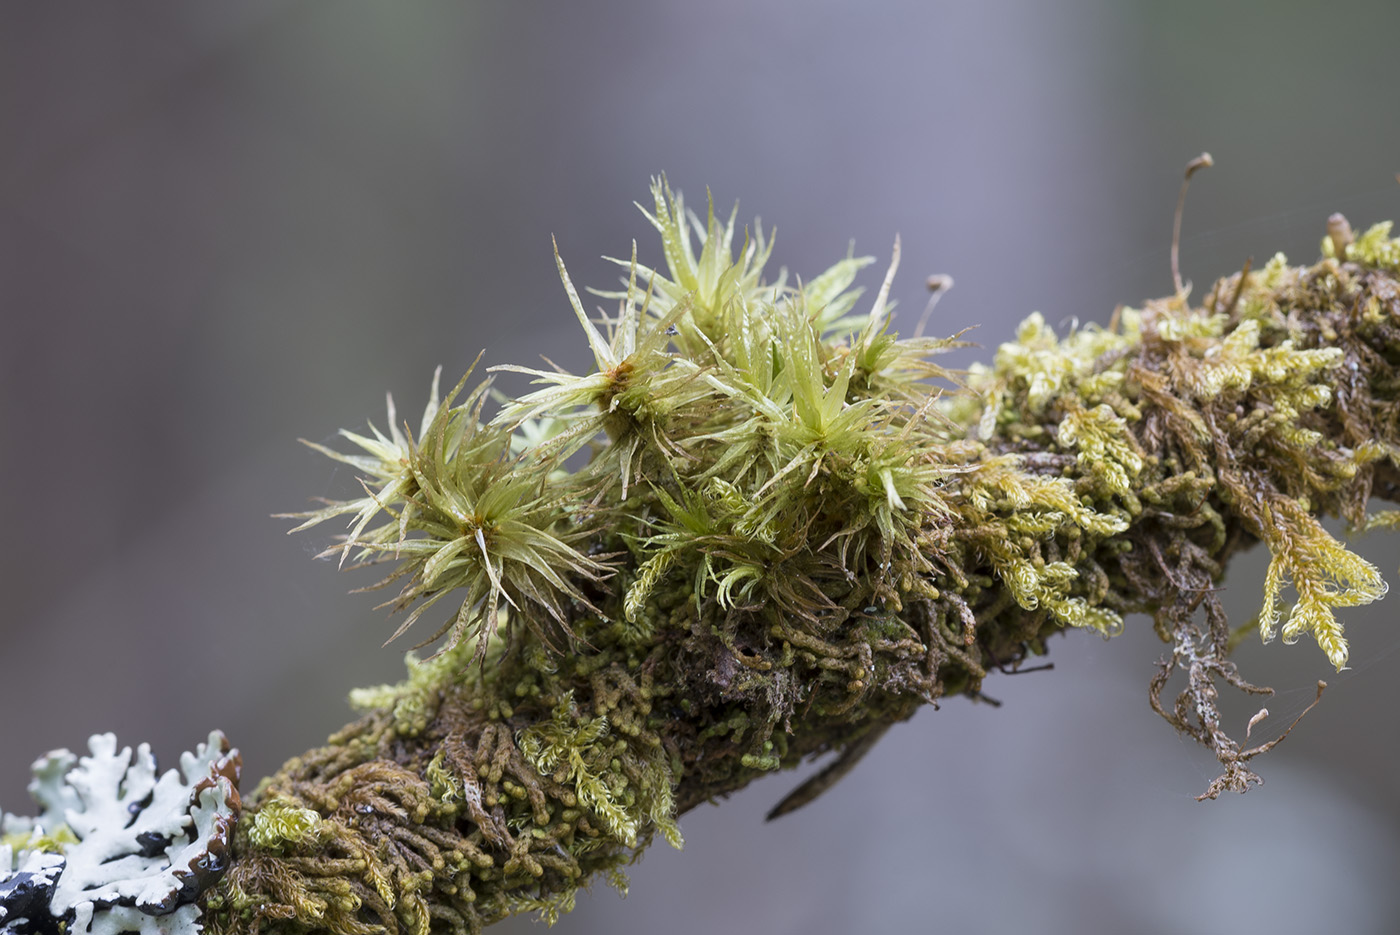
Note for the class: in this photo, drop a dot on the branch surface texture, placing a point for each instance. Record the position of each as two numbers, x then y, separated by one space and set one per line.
765 528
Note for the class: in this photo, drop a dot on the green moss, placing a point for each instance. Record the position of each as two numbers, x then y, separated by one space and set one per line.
414 701
280 823
1375 248
53 842
790 528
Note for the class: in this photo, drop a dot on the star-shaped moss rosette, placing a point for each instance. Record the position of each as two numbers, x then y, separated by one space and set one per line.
764 527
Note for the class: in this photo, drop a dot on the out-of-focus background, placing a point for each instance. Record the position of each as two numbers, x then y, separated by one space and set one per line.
224 226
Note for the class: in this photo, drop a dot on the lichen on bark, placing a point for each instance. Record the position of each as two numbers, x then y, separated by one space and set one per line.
791 529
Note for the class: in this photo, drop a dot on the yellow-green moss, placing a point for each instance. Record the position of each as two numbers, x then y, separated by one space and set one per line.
279 823
764 527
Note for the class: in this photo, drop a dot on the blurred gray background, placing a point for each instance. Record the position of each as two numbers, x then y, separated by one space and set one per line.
224 226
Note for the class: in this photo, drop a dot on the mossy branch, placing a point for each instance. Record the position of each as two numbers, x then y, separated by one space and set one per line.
792 530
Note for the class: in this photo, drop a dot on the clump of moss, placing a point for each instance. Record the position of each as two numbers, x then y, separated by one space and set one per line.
792 529
279 823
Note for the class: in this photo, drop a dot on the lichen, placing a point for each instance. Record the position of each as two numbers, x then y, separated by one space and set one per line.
118 848
764 527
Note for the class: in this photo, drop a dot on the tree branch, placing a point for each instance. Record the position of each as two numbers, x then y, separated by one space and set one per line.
792 530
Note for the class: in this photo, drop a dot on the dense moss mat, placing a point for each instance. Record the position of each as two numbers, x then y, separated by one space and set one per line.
790 530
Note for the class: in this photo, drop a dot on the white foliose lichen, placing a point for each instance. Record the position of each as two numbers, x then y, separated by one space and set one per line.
118 848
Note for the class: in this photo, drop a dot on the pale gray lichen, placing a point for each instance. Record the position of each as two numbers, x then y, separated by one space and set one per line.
136 849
